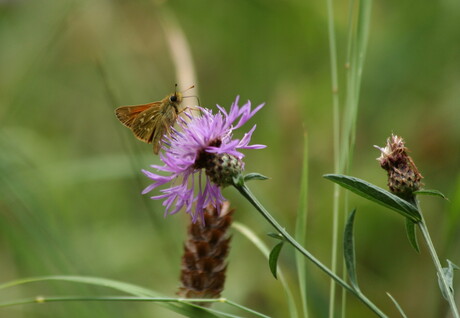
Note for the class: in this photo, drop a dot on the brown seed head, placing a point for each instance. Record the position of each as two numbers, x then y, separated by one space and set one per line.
205 251
403 176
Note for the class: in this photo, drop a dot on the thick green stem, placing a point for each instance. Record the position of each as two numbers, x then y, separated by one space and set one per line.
437 264
244 190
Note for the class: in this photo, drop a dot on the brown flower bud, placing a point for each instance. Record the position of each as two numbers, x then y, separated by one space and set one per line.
205 251
403 176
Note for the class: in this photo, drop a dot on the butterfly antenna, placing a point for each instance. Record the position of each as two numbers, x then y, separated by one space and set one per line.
199 104
193 86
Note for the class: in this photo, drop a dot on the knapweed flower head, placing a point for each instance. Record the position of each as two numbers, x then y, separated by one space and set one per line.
202 144
403 176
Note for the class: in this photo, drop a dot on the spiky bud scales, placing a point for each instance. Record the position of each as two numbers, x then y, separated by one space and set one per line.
222 168
403 175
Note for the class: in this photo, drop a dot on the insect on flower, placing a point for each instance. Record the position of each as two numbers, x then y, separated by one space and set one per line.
201 158
150 122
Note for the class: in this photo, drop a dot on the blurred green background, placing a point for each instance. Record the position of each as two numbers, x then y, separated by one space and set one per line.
70 177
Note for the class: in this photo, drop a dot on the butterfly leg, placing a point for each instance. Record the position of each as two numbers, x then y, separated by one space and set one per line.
192 108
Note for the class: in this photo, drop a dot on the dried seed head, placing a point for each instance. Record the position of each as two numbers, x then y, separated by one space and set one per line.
403 176
205 251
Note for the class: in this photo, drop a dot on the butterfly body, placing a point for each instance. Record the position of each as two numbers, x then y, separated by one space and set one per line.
150 122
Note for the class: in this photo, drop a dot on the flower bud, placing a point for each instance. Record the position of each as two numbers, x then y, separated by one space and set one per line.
221 169
403 176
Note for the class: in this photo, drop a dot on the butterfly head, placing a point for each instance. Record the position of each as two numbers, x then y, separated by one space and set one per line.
175 98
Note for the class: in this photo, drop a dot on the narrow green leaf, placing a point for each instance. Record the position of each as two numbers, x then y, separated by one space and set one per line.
109 283
301 228
254 176
449 276
397 306
188 310
276 236
349 250
198 313
435 193
376 194
411 234
273 258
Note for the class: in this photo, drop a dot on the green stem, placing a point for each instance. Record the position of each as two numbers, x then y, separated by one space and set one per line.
229 302
244 190
41 300
336 142
191 301
437 264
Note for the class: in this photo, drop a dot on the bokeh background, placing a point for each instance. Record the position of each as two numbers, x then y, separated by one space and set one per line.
70 177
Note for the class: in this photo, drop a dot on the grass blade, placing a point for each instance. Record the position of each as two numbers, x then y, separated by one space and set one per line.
186 309
208 312
301 228
397 306
358 32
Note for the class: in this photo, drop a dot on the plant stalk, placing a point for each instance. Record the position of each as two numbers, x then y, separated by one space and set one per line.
244 190
41 300
336 146
437 264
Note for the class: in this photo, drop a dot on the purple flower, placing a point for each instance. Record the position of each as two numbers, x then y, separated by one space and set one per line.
202 143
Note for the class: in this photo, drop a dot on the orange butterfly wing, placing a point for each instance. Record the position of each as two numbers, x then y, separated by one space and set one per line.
145 125
150 122
127 114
